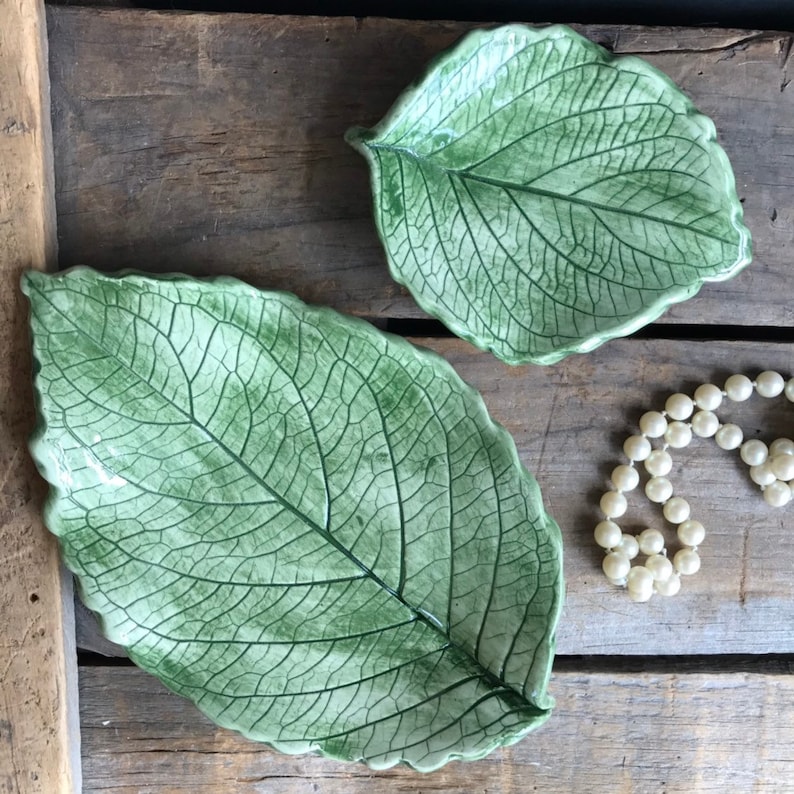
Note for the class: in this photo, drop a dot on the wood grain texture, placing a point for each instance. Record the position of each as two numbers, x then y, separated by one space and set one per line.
213 143
39 737
641 733
569 422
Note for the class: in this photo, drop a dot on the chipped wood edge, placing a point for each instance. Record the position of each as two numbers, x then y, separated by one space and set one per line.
39 715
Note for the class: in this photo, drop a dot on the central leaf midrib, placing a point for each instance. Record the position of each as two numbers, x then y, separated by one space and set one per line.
463 175
431 621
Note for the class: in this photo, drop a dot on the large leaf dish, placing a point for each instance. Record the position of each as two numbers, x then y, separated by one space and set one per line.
311 529
541 196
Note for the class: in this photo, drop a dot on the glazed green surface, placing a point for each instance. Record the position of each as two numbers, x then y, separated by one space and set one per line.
541 196
311 529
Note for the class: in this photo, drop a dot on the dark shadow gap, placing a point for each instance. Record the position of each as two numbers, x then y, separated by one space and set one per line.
767 664
419 327
434 329
767 14
89 659
717 333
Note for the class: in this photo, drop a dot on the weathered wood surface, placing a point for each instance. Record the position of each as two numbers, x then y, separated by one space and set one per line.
39 737
569 422
641 733
213 144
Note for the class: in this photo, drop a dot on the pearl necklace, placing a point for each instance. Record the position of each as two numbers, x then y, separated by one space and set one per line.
772 468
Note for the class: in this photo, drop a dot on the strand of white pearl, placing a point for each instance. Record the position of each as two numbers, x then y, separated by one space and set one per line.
771 468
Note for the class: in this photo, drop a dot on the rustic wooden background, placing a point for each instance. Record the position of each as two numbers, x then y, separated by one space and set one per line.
39 730
213 144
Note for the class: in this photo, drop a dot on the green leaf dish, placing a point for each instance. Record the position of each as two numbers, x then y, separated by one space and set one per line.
311 529
541 196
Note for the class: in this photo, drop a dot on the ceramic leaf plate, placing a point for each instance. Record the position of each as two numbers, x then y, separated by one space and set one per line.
540 196
311 529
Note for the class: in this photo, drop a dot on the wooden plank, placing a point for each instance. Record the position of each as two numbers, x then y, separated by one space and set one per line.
569 422
619 732
213 144
39 735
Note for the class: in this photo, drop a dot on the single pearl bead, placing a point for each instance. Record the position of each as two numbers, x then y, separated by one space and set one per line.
687 561
607 534
639 580
754 452
788 390
738 388
763 474
729 436
678 435
679 406
658 489
676 510
668 587
660 567
659 463
613 504
781 446
616 565
625 478
769 384
705 424
651 541
653 424
637 447
782 467
708 397
777 493
628 546
691 533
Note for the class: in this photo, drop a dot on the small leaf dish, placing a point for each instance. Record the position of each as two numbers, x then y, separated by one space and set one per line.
541 196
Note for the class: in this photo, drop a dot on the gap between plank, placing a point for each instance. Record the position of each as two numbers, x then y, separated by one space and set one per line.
740 13
434 329
768 664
